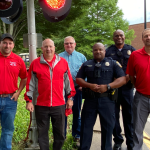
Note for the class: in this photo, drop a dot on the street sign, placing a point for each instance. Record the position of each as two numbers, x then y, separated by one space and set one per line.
38 40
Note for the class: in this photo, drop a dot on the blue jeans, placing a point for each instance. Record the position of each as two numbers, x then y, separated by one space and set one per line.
8 109
76 126
76 115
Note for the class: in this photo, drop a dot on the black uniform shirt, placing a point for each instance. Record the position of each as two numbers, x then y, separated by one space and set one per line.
100 73
120 56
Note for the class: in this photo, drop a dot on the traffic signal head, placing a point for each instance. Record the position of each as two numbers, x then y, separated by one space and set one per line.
10 10
55 10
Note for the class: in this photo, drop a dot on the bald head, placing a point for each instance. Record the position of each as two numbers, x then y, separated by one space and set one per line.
99 44
119 38
99 52
48 40
145 30
48 49
120 31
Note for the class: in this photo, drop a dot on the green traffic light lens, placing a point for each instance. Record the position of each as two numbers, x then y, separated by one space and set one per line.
55 4
5 4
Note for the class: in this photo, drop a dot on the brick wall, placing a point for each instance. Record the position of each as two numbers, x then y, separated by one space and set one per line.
138 28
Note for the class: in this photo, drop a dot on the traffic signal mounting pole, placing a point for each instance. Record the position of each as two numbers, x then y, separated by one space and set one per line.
33 135
144 14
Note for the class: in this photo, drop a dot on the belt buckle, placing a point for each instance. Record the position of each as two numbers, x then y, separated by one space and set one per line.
1 95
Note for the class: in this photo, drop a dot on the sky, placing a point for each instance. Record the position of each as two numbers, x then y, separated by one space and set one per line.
134 10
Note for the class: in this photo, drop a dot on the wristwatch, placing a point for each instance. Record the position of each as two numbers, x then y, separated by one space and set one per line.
108 87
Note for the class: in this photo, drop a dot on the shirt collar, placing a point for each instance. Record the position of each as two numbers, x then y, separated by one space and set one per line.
71 53
143 51
10 56
101 61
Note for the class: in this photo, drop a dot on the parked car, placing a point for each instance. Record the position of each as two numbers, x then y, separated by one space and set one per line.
25 57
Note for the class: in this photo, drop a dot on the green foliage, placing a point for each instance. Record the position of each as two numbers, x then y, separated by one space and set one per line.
100 20
89 22
22 119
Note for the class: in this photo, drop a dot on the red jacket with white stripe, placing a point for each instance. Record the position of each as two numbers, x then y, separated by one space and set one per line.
49 84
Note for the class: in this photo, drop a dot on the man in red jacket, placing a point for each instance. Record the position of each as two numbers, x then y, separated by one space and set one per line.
49 77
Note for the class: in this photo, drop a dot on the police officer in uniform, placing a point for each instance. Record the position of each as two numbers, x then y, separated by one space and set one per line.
100 73
121 53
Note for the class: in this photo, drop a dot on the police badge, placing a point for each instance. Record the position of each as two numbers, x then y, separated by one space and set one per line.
129 52
107 64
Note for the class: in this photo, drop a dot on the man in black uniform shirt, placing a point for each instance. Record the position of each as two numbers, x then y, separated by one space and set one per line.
100 73
121 53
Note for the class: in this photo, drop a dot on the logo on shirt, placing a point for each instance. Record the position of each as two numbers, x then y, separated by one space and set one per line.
12 63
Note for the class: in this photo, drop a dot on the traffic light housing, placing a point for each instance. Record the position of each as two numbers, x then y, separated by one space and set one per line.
10 10
55 10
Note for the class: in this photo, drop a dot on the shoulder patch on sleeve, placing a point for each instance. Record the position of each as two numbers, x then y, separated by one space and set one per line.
118 64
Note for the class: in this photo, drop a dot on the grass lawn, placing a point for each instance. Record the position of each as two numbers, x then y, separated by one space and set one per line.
21 126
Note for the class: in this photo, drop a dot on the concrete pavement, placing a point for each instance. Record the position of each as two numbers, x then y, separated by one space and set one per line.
96 141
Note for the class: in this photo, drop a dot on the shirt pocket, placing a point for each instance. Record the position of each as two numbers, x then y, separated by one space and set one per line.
114 57
107 73
126 57
89 72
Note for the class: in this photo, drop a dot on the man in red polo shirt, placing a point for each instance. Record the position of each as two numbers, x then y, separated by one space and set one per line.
139 71
11 67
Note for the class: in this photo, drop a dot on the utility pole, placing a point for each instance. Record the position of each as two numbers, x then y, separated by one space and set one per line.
144 14
33 134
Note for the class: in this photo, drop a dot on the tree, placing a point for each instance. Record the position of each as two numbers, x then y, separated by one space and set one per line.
101 19
47 29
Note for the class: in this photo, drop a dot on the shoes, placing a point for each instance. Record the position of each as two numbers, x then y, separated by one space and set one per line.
77 142
117 147
129 148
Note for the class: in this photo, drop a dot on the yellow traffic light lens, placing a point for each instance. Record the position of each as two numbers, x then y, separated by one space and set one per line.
5 4
55 4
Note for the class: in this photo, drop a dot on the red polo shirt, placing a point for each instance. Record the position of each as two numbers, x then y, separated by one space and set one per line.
139 66
11 67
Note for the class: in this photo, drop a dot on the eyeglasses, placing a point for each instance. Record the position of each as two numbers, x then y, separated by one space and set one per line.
68 43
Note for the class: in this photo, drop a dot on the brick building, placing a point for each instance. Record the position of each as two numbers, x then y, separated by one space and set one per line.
138 28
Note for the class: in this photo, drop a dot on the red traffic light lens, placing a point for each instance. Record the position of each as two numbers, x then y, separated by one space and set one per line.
55 4
5 4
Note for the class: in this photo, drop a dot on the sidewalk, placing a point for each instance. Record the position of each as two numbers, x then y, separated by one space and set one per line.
96 141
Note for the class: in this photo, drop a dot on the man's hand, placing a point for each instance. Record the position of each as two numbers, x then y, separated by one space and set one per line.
127 78
69 103
102 88
94 87
80 88
30 107
15 96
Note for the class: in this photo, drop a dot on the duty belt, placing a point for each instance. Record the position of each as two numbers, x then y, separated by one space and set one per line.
6 95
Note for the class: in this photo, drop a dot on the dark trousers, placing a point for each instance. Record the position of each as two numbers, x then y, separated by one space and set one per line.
125 99
76 126
106 110
57 115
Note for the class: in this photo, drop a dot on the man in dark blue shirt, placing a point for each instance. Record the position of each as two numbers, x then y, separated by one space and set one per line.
121 53
100 73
